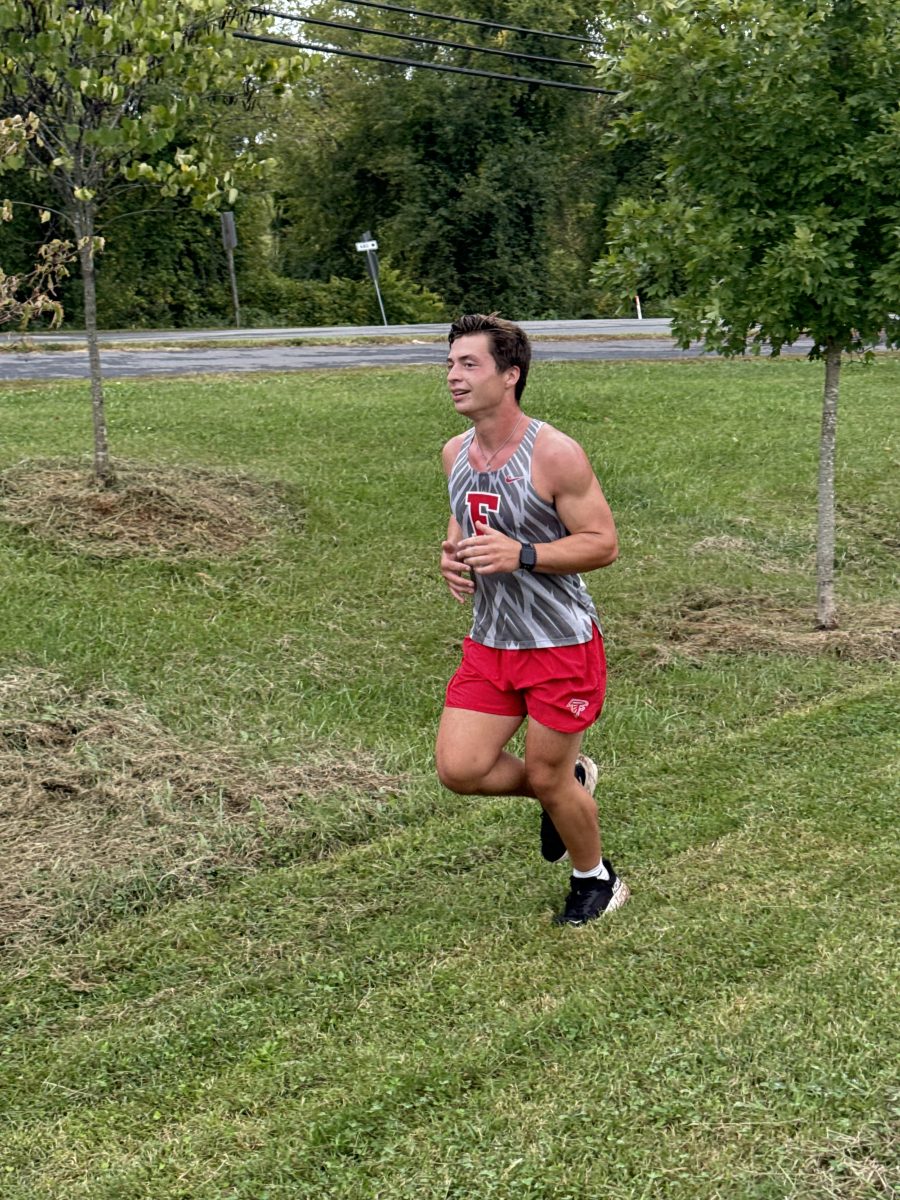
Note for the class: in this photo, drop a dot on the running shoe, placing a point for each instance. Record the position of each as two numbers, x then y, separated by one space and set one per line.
553 848
592 898
586 772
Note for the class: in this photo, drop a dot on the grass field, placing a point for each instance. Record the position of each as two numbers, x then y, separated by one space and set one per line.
254 952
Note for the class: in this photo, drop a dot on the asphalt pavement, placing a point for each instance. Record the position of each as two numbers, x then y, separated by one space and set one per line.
576 328
409 345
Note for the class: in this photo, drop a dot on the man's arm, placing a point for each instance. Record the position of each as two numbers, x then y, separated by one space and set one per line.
456 573
561 471
561 474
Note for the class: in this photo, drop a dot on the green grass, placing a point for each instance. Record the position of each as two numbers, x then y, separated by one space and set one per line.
397 1018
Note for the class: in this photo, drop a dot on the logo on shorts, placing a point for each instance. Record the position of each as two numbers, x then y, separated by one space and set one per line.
577 707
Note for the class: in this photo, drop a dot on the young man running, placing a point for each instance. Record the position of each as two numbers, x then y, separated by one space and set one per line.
527 516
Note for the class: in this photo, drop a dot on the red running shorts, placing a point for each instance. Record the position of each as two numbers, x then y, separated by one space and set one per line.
561 687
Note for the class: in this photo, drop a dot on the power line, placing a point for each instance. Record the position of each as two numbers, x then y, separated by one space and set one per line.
419 12
425 41
426 66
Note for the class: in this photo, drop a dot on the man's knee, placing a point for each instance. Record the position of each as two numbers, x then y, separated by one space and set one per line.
545 779
458 774
551 781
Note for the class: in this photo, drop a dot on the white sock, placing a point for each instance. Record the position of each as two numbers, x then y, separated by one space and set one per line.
599 872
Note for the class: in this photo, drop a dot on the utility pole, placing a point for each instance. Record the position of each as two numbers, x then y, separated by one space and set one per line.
229 241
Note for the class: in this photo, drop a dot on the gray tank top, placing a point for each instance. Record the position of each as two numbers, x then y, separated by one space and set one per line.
522 610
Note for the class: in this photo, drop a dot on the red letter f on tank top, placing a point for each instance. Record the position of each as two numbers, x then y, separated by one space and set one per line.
481 505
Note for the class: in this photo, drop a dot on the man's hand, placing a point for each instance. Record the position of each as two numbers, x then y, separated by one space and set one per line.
490 552
455 573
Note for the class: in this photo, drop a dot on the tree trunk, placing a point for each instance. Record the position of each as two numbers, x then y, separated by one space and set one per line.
826 611
84 230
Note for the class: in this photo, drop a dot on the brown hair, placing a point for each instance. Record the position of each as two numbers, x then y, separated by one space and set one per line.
509 344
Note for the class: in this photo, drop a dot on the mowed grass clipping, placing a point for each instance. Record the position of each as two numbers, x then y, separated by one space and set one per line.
289 965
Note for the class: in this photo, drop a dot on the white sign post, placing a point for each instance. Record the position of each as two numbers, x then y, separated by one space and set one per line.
368 246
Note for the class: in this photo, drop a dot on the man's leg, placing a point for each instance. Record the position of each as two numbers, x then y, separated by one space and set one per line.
595 888
471 754
550 766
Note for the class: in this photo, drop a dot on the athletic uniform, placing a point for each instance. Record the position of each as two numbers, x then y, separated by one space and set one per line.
535 645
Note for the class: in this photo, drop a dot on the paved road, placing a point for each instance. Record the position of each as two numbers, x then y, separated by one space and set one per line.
409 349
650 326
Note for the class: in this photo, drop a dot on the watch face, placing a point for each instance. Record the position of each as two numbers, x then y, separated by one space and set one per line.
527 558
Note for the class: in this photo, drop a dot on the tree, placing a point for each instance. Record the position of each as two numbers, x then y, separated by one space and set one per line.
778 214
115 85
489 193
31 293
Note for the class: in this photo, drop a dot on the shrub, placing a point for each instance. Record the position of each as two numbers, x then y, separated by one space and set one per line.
271 299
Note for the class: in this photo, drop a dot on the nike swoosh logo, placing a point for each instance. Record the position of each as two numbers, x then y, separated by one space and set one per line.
512 478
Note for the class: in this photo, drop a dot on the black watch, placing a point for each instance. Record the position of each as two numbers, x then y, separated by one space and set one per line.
527 557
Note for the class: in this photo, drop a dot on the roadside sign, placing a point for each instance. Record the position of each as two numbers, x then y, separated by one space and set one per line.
368 246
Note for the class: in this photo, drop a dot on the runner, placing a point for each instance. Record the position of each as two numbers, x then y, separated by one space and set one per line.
527 516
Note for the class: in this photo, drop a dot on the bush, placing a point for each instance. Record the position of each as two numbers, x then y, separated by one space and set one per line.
271 299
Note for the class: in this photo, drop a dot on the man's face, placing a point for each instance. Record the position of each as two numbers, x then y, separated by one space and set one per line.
475 383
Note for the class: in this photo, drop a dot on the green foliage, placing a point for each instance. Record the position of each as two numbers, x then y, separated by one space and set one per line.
163 266
781 135
271 299
491 195
486 194
163 263
121 85
137 104
115 85
32 293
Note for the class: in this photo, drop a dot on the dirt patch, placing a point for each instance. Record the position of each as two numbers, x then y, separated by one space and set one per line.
715 621
150 511
872 521
723 544
104 811
763 560
855 1168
